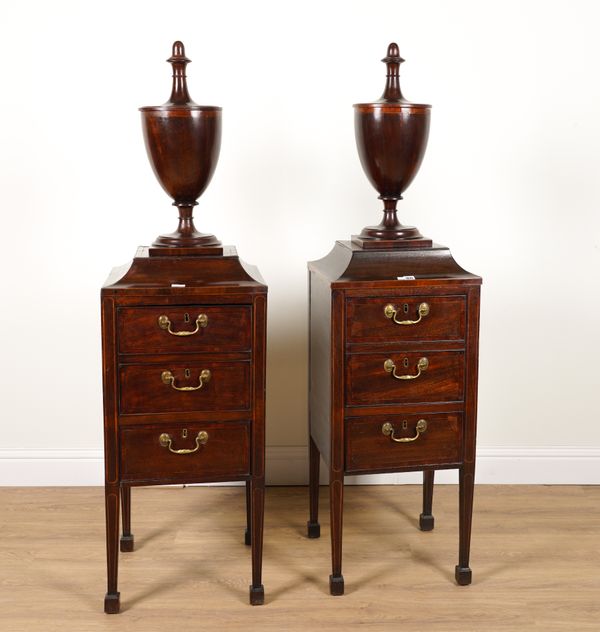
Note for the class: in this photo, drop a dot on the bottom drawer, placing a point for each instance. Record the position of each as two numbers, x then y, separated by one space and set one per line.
372 442
193 452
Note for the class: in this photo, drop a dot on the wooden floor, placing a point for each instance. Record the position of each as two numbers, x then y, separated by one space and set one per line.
535 560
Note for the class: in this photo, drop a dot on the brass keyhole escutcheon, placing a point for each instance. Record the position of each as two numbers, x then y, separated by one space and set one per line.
405 308
404 424
405 363
186 318
184 433
187 373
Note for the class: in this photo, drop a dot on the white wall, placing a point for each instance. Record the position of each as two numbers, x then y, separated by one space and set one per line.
509 181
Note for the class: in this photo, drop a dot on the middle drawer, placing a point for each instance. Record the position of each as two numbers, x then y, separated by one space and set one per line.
185 386
397 377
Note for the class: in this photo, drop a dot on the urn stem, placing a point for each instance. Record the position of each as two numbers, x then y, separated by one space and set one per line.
390 217
186 219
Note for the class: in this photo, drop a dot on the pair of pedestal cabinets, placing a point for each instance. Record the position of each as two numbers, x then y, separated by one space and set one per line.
393 382
393 342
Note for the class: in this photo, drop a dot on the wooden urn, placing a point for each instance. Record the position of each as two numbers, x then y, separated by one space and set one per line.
183 140
391 137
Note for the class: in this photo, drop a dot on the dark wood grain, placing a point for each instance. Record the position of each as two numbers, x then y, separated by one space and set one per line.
426 520
320 362
257 482
336 465
230 407
248 530
367 381
463 572
142 390
351 395
127 541
183 141
312 526
368 449
391 138
112 603
366 321
225 454
228 329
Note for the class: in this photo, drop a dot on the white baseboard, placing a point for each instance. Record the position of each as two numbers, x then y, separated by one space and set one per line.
288 465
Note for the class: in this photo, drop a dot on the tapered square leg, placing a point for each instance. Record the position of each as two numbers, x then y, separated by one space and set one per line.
313 526
248 532
336 502
426 521
111 497
127 536
466 475
257 498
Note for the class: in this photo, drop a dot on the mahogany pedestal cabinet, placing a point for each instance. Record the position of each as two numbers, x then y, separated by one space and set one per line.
393 377
183 340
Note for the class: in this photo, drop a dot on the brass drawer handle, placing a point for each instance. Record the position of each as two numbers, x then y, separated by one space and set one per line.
390 311
422 365
388 430
165 323
166 441
168 378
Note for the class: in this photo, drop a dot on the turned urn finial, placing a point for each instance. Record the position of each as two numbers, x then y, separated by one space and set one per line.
178 60
391 137
392 60
183 140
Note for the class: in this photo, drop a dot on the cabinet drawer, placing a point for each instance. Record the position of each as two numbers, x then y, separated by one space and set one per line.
396 318
396 377
368 448
223 452
148 388
189 328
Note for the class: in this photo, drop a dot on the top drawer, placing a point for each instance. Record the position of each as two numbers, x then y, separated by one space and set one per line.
400 318
181 329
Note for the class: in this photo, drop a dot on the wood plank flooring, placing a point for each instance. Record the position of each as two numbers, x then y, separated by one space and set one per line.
535 560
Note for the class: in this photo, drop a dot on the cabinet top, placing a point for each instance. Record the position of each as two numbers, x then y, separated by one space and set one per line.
222 274
348 265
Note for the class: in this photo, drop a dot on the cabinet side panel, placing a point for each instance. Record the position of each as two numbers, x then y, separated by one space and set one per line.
320 364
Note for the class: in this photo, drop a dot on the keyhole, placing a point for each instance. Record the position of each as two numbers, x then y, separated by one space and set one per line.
404 424
187 373
405 308
186 318
184 433
405 363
